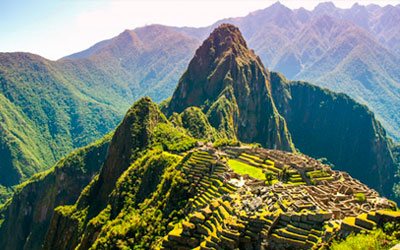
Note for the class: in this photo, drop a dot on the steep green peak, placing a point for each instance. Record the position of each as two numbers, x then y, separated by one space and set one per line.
226 40
145 108
228 82
133 135
222 60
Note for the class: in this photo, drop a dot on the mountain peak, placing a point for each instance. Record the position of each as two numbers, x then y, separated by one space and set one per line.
230 84
132 135
278 5
325 7
224 39
224 50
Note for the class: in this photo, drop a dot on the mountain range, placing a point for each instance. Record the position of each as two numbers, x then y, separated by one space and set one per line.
354 51
192 171
51 107
226 93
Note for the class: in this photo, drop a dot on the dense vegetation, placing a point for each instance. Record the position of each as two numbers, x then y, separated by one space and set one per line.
378 239
228 82
145 189
39 195
45 115
51 107
326 124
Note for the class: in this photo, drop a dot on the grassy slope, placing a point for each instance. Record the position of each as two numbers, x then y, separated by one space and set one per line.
243 168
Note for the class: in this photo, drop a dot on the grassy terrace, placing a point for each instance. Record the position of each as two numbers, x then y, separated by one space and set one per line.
243 168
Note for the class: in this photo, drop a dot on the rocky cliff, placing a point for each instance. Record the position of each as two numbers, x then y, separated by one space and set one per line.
229 83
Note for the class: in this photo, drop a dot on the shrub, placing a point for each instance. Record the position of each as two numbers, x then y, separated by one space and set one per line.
360 197
374 240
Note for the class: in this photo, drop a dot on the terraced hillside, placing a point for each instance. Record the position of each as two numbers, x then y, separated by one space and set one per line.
299 203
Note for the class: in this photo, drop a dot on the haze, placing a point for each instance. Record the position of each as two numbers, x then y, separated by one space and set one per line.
55 28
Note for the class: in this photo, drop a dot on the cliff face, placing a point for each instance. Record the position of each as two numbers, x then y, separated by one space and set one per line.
27 216
229 83
324 124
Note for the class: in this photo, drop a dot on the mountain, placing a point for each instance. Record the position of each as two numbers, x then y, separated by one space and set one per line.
51 107
344 50
354 51
45 115
147 60
229 83
144 128
221 81
180 181
328 125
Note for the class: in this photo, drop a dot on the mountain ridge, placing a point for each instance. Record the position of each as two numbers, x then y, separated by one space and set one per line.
154 185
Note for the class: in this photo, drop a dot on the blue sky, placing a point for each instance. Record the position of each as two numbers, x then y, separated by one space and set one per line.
55 28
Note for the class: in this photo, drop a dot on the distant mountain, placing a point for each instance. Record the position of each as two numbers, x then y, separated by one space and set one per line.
148 60
184 180
50 107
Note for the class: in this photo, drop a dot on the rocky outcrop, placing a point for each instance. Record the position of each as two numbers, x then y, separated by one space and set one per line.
229 83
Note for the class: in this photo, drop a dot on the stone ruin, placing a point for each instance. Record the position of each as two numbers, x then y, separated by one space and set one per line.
304 206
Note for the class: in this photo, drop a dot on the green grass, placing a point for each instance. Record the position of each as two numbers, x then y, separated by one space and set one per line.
373 241
243 168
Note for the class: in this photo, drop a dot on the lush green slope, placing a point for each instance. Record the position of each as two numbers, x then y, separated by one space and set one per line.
326 124
45 115
167 191
27 215
51 107
120 193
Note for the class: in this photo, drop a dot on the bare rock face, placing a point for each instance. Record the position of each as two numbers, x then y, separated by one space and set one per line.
229 82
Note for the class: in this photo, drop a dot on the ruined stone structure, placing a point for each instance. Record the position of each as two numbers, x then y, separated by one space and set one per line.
301 205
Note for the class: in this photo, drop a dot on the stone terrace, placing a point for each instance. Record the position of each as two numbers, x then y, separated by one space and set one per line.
303 204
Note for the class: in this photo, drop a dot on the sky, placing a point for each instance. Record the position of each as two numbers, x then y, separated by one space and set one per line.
56 28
